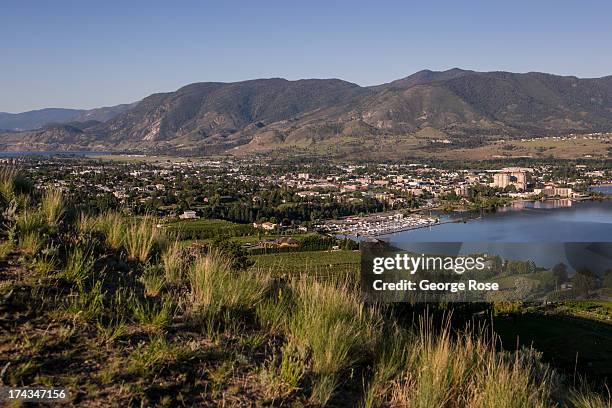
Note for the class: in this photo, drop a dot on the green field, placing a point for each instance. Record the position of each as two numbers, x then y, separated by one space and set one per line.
596 310
322 263
207 229
570 343
253 239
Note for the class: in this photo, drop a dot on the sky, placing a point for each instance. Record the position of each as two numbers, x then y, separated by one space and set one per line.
86 54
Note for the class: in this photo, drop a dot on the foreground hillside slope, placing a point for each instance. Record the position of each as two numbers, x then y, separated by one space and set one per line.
120 314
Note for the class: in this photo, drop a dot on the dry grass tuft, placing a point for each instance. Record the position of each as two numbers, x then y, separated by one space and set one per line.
140 238
333 326
111 224
52 206
174 260
214 286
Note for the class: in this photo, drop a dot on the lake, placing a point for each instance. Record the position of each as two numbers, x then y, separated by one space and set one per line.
605 190
547 232
547 221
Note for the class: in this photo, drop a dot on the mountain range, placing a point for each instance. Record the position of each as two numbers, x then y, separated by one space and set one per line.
457 105
37 118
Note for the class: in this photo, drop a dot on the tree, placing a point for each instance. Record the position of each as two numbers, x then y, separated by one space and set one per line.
560 273
497 264
607 280
585 281
238 255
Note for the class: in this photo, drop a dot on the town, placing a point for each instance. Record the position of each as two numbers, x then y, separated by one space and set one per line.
297 197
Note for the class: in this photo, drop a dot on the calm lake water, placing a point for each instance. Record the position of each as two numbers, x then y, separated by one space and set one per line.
548 221
606 190
546 232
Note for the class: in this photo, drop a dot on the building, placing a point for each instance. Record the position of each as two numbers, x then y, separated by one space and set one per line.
463 190
284 242
188 215
512 176
307 193
287 242
266 226
501 180
551 191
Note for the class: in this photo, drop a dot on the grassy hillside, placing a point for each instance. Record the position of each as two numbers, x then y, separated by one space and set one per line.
117 312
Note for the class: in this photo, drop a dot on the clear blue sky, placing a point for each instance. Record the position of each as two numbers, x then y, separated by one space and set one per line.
86 54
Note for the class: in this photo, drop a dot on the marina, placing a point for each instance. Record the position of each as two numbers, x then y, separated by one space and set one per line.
376 225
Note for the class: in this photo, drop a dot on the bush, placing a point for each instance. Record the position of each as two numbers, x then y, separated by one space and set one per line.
7 182
588 399
86 303
281 378
152 315
31 243
13 184
86 225
30 221
236 254
79 266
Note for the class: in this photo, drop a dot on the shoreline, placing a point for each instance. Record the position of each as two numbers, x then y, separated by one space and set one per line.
467 219
457 221
461 216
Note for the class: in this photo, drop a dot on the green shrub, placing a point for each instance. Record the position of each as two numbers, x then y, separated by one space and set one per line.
588 399
7 181
30 221
283 377
435 369
79 266
390 363
111 330
5 249
153 280
148 358
13 184
233 251
31 243
273 312
86 225
151 315
88 304
44 264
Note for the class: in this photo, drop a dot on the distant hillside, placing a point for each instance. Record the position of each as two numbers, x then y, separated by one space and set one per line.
102 114
423 77
37 118
465 107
